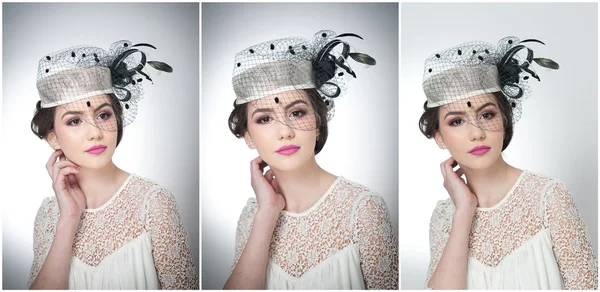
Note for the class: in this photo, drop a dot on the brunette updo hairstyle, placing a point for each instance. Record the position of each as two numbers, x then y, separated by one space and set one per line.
43 119
429 123
238 119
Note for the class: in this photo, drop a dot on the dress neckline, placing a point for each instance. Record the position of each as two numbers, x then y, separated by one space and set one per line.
316 205
112 198
507 196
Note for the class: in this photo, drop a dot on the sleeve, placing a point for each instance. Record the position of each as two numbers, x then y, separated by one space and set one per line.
377 243
170 243
570 241
43 235
439 230
243 229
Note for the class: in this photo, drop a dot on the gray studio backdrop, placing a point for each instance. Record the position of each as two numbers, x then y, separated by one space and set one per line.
557 134
363 136
161 144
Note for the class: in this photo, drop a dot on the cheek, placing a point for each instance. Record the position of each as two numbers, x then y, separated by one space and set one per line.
309 137
452 135
65 135
260 134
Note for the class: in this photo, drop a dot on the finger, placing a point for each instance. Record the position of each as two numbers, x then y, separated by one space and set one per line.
443 166
257 168
447 166
52 160
275 185
270 175
74 188
60 182
442 170
74 184
62 164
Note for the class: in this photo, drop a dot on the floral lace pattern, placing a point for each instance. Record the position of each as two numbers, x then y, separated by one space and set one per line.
140 207
536 202
347 214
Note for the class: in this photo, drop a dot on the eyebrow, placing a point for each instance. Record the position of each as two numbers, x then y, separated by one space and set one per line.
462 113
80 113
286 107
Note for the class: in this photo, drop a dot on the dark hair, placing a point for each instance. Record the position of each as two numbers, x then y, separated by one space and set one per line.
238 119
43 119
429 123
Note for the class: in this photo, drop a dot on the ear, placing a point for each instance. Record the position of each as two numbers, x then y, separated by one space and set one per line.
439 139
52 140
248 140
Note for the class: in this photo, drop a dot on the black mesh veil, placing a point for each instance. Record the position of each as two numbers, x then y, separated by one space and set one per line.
82 79
461 79
272 76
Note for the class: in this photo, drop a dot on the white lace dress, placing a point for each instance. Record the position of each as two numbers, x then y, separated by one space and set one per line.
345 241
534 238
136 240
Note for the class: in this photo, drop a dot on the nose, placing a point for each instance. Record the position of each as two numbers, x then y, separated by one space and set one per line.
285 131
476 132
93 132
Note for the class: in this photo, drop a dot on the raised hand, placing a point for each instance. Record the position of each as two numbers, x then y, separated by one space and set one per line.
265 186
71 200
463 198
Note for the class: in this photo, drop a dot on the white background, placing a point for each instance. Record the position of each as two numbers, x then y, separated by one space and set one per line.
363 136
557 134
161 144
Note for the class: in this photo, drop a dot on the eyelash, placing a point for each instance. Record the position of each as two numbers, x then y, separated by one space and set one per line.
77 121
491 115
108 115
294 114
71 122
453 123
263 120
298 113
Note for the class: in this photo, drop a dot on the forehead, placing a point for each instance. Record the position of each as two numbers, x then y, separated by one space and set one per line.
85 104
281 99
470 104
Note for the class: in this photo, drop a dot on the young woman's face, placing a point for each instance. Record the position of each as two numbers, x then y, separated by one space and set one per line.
283 129
472 130
86 131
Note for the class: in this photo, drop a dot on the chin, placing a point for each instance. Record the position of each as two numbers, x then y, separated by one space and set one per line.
287 162
90 161
478 162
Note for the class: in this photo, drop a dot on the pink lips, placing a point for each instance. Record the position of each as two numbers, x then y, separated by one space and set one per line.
288 149
480 150
96 149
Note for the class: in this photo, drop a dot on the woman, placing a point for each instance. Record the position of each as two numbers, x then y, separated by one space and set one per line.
504 228
104 228
306 228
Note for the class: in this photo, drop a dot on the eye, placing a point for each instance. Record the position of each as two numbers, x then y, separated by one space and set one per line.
105 116
488 115
456 122
298 113
74 122
264 120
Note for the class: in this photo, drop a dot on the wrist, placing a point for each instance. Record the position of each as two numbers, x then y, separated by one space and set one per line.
464 213
268 212
68 224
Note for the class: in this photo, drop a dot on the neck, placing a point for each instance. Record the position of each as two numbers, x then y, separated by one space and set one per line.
99 185
303 187
491 185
